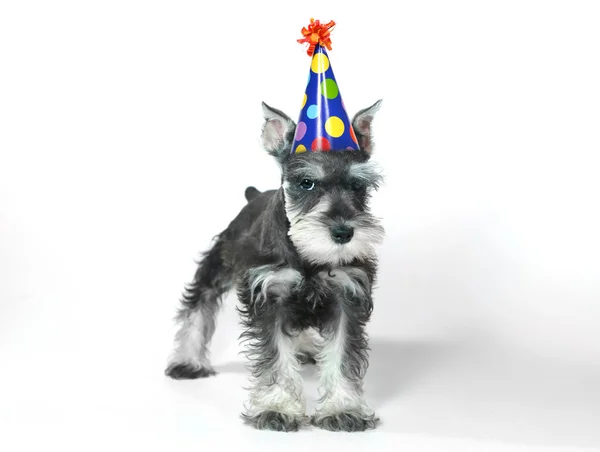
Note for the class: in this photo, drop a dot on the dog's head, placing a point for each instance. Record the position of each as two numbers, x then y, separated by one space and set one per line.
327 193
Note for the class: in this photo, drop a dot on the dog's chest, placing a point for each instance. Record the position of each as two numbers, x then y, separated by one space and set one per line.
313 299
311 304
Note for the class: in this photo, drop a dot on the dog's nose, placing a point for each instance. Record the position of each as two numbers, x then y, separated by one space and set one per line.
342 234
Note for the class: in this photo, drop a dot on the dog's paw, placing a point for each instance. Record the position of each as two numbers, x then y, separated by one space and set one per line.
188 371
349 421
273 420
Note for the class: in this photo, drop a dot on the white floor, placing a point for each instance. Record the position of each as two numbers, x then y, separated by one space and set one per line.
67 386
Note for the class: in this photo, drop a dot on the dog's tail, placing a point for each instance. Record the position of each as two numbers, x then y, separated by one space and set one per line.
251 193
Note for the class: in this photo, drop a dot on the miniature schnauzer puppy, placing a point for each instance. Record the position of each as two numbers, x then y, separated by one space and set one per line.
303 262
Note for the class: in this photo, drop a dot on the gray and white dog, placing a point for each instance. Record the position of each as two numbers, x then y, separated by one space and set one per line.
303 262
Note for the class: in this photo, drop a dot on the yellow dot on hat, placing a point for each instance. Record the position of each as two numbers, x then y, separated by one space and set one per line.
304 101
320 63
300 149
334 126
329 88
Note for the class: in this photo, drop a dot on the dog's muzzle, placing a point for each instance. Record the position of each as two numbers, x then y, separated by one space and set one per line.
342 234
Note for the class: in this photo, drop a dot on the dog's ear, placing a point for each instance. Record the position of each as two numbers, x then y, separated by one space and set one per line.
361 123
278 131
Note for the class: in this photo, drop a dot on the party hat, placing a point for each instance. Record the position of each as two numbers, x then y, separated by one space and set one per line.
323 124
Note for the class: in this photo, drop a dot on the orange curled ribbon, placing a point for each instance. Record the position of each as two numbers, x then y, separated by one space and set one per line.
316 33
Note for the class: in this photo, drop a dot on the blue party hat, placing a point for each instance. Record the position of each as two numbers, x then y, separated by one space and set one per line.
323 124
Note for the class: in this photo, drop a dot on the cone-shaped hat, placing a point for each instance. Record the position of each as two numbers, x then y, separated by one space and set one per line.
323 124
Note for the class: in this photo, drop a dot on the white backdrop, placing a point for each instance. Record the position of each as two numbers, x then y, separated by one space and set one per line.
129 131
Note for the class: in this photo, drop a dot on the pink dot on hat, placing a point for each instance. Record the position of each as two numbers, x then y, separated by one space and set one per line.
300 130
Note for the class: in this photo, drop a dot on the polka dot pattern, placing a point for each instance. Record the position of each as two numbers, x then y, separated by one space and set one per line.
312 111
323 124
334 126
300 130
320 63
329 89
320 144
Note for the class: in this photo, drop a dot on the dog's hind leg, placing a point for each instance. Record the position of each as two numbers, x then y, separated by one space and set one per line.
307 345
197 317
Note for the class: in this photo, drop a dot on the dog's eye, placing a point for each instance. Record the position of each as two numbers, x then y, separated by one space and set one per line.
307 184
357 185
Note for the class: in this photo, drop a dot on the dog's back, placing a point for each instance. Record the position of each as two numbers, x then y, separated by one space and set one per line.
247 222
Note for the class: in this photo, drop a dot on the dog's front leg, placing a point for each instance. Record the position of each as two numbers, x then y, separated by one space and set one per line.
276 401
342 364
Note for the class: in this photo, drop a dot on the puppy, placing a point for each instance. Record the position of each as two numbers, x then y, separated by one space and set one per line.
303 262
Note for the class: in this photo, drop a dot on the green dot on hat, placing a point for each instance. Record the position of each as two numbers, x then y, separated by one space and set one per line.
329 88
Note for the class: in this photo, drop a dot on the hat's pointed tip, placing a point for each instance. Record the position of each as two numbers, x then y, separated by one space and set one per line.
316 34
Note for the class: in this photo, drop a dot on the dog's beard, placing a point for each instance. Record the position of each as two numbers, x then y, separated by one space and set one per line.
311 235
